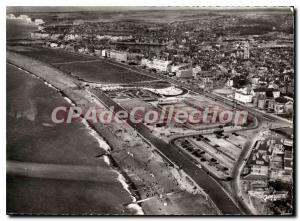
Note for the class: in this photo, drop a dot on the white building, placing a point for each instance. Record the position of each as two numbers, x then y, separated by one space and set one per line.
104 53
72 37
161 65
39 35
113 38
157 64
196 71
259 170
255 80
118 55
244 98
53 45
182 70
243 95
246 50
55 36
146 62
229 83
39 21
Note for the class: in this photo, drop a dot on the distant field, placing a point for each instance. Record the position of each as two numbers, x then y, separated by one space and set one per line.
32 137
48 55
104 72
97 71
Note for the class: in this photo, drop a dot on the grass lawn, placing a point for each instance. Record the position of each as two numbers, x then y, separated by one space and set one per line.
103 72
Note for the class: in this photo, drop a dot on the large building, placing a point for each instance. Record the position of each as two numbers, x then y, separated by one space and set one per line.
288 160
39 35
196 70
118 55
187 73
161 65
246 50
157 64
39 21
266 92
243 95
283 105
182 70
229 83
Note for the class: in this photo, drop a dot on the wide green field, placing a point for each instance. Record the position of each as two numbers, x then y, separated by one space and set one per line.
33 139
91 69
103 72
50 56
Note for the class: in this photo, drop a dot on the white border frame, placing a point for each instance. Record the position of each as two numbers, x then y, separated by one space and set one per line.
112 3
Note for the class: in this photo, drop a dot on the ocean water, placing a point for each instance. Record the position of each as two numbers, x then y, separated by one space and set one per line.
33 138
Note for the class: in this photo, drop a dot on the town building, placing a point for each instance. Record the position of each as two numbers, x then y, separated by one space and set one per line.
118 55
38 21
229 83
243 95
97 52
255 80
39 35
53 45
246 50
159 65
196 70
283 105
288 160
267 92
259 170
182 70
104 53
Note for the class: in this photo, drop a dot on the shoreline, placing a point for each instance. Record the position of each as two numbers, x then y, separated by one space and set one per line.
66 91
122 176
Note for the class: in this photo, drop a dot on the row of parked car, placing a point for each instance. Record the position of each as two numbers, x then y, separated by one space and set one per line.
193 150
200 153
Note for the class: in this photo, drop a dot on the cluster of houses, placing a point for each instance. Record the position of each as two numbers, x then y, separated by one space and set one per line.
270 161
163 66
263 98
159 65
59 38
166 66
